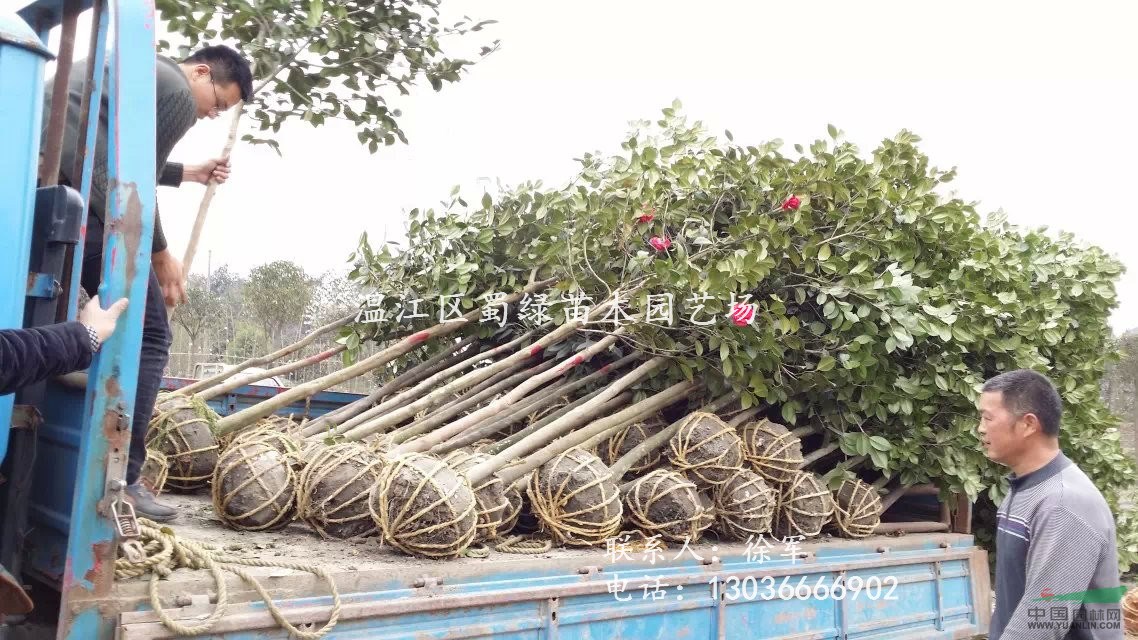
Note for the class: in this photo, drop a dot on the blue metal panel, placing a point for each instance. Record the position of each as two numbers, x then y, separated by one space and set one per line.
96 91
126 267
247 396
21 103
933 598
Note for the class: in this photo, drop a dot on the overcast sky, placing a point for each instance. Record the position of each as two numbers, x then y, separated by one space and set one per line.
1033 101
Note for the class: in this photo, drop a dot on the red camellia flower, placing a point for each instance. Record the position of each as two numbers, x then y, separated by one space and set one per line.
742 314
791 203
646 218
660 244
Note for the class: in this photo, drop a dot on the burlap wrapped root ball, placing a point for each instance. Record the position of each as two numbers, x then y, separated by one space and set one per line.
706 449
857 509
804 506
424 507
575 499
492 505
664 503
626 439
254 486
182 430
774 452
334 488
745 505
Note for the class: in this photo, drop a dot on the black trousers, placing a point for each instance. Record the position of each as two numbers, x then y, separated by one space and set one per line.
155 344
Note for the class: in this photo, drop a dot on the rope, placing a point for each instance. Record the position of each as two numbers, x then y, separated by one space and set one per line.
166 433
551 505
490 496
164 553
745 505
678 501
857 509
257 474
524 544
774 452
445 523
1130 611
332 491
711 470
801 492
620 443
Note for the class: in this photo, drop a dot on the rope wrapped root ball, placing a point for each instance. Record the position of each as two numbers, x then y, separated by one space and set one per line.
745 505
773 451
424 507
857 509
490 496
287 444
254 487
625 439
575 499
333 491
155 470
706 449
664 503
804 506
181 430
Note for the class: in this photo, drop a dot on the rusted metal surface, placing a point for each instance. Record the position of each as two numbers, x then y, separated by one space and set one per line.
113 376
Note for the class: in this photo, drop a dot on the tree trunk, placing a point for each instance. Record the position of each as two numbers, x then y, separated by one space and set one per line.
571 420
442 434
603 427
433 364
225 388
241 419
657 440
538 402
254 362
435 397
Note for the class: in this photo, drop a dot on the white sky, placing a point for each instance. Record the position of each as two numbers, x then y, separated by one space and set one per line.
1033 101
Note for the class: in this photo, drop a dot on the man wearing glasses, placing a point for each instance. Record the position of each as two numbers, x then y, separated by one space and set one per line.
203 85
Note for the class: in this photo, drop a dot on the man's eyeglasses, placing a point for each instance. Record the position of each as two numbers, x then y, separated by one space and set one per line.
217 106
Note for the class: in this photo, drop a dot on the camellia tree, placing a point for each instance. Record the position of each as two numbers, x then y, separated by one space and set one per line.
832 289
315 60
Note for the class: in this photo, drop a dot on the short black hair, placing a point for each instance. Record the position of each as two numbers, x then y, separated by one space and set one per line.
1026 391
226 65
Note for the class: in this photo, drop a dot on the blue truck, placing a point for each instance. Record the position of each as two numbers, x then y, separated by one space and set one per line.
64 445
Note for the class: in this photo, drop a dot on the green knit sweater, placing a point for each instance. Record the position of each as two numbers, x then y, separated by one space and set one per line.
175 114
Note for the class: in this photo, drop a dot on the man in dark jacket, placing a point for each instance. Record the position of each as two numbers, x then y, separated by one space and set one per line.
28 356
205 84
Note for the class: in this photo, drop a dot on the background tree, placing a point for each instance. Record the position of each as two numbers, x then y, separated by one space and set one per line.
201 312
276 295
315 60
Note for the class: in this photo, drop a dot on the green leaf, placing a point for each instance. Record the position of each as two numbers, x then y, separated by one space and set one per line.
824 252
825 364
880 443
833 131
788 415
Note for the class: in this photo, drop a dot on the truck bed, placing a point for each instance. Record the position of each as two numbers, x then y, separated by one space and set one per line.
941 592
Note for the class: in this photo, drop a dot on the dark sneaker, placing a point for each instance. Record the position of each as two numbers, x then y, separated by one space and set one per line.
146 504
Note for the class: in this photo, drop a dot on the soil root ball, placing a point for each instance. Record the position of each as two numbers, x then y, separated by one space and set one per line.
745 505
664 503
774 452
706 449
155 470
285 443
181 429
333 490
424 507
857 509
804 507
575 499
254 487
625 439
492 505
